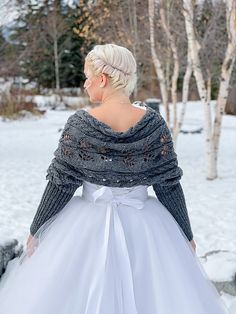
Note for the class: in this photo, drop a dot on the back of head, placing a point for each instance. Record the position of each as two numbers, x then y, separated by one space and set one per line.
115 61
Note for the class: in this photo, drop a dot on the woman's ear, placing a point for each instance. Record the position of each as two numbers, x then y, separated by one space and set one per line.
103 80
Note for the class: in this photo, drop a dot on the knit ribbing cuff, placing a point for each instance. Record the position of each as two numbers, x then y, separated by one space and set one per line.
172 197
52 202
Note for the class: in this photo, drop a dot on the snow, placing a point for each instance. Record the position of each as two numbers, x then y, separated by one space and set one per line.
215 262
26 149
8 11
45 101
212 204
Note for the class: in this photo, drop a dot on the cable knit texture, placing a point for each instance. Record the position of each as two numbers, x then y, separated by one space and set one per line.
91 150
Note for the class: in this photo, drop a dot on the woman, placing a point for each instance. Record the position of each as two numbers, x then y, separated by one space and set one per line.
115 249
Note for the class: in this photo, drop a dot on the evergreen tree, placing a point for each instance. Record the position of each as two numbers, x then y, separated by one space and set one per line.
50 50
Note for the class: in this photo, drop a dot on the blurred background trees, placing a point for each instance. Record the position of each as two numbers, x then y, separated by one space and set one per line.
185 50
48 40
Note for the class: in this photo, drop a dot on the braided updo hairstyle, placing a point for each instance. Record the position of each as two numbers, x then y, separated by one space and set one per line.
115 61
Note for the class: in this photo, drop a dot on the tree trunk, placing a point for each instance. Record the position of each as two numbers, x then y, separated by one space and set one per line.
55 50
136 41
175 74
226 71
185 91
56 62
209 87
157 63
194 51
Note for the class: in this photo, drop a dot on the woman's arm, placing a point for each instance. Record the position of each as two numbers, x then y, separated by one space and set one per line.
61 184
168 189
172 197
52 202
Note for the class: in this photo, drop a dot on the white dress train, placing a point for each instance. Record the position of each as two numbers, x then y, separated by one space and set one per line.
110 251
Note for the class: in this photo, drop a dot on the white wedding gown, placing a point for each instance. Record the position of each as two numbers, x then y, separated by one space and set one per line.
110 251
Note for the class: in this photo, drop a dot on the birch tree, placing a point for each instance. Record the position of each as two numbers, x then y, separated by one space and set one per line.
194 48
132 9
157 62
175 73
226 71
185 90
168 62
212 132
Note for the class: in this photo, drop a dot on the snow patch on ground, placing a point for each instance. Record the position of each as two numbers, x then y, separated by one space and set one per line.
26 150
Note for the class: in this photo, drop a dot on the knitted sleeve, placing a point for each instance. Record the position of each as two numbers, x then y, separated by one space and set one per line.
172 197
52 202
169 190
59 189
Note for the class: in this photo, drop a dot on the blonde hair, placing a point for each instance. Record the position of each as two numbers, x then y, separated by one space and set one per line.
115 61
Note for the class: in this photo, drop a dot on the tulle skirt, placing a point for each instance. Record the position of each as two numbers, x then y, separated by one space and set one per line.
110 251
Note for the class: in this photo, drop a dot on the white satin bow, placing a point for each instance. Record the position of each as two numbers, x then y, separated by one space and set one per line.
132 198
135 198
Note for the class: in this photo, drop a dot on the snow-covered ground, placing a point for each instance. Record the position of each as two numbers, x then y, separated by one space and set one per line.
26 149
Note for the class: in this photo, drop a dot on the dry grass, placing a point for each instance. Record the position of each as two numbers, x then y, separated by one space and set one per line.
11 106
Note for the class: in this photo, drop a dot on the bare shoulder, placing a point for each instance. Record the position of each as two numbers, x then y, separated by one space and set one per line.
95 111
139 112
132 113
118 119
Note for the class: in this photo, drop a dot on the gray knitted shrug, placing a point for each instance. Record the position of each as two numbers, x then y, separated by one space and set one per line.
90 150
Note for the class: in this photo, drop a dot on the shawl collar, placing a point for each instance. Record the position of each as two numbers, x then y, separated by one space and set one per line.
90 150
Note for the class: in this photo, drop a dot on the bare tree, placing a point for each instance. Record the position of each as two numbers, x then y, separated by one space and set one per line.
204 89
56 28
164 8
157 62
194 48
132 9
226 71
123 23
168 46
185 90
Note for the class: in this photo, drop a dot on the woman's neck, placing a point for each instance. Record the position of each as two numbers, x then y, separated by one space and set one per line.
115 99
